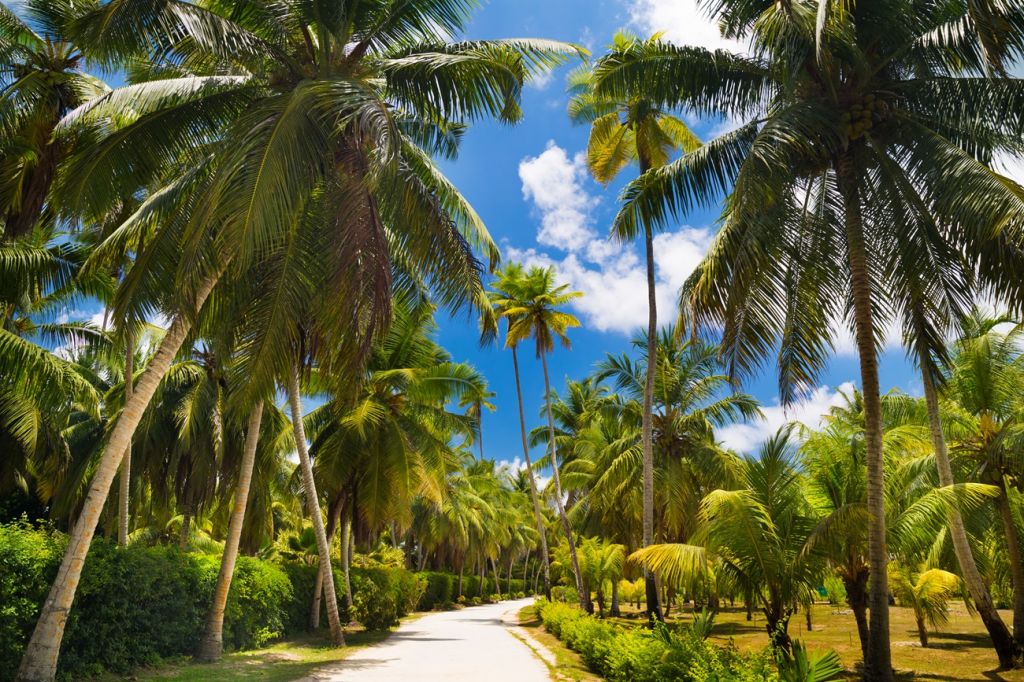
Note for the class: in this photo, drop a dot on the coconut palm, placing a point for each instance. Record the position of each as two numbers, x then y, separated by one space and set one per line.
832 171
294 129
631 127
927 592
506 293
42 79
532 310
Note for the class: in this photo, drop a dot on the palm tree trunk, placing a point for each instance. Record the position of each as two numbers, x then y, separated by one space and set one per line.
39 662
211 646
584 597
313 505
333 514
462 570
526 569
1013 551
647 438
186 526
878 664
497 578
857 598
615 611
346 560
125 475
1002 641
922 631
538 517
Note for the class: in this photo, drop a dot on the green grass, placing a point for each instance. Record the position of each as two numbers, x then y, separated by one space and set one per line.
282 662
960 651
569 664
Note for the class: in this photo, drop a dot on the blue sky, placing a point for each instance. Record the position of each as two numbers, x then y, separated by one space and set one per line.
529 184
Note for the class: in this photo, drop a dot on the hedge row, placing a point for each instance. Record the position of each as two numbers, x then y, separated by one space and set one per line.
633 654
442 590
137 605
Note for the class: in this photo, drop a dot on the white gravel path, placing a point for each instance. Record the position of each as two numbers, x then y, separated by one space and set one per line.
474 643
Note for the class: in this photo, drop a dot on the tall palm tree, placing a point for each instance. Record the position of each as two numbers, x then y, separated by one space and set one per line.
42 79
267 155
832 172
533 312
507 293
632 127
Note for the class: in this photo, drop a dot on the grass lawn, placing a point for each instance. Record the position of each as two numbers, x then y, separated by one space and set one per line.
570 666
959 651
283 662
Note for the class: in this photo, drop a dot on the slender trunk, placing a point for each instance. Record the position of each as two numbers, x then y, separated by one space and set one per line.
313 505
211 646
538 517
584 597
125 475
1002 641
483 578
878 665
333 514
480 430
777 624
647 439
526 569
346 560
462 570
39 662
615 611
857 598
497 578
508 579
922 630
807 616
1013 551
186 526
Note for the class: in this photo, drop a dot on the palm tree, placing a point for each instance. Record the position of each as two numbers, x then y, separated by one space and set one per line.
983 393
506 293
294 128
759 532
42 80
532 311
927 592
625 128
835 169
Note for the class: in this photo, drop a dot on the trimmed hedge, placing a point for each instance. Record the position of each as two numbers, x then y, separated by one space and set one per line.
634 654
439 592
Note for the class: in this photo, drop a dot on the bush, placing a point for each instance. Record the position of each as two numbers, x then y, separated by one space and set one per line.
28 564
380 596
133 605
439 592
565 594
633 654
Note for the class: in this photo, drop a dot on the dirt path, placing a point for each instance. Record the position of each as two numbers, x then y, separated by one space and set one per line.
475 643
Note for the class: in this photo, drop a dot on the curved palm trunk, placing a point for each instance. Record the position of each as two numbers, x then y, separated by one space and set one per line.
1013 551
211 646
584 596
125 475
538 517
1002 641
39 662
857 599
878 664
647 438
313 508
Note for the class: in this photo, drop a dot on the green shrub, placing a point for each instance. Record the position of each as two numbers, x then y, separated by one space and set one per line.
633 654
256 608
380 596
439 592
28 564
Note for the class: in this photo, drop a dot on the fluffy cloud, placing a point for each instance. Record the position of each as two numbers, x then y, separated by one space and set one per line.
746 437
555 184
612 277
682 22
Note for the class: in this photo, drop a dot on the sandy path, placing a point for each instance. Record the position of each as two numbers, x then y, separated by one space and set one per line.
469 644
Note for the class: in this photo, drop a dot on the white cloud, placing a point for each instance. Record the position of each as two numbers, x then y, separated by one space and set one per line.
746 437
611 276
555 184
682 22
